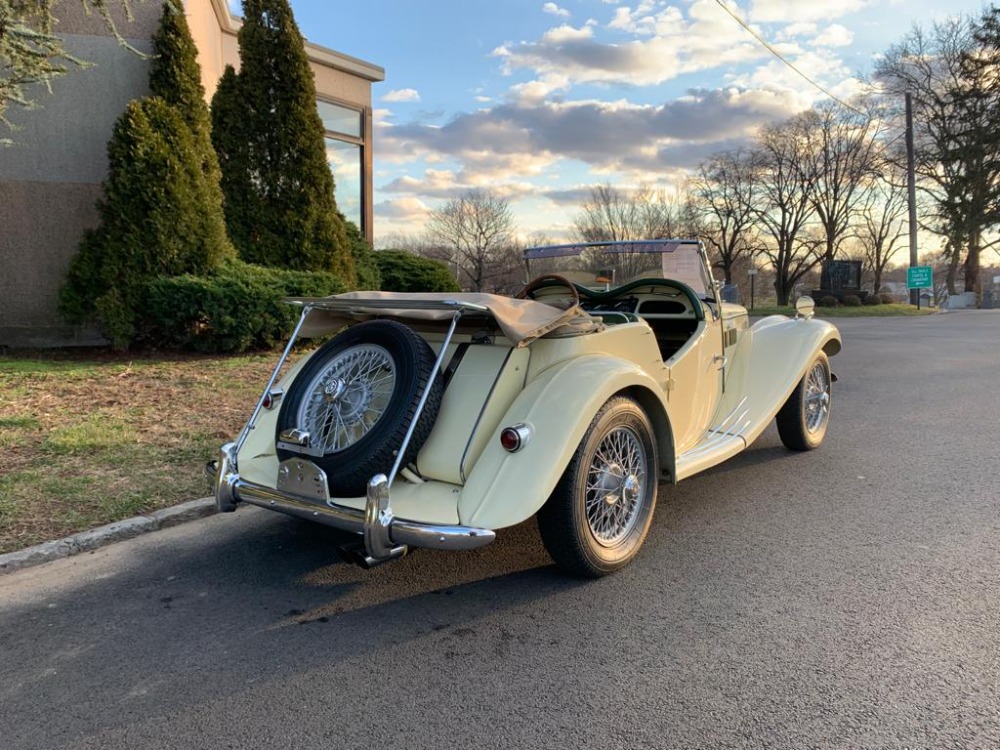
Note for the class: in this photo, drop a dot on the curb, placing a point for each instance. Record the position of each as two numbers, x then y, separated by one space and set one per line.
118 531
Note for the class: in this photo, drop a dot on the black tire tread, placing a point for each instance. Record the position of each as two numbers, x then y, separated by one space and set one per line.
791 417
556 521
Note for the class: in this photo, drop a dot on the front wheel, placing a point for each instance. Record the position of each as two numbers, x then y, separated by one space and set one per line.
599 514
803 420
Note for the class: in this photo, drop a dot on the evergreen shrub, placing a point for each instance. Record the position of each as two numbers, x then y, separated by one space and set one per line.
238 308
405 272
366 272
279 191
852 300
161 208
828 301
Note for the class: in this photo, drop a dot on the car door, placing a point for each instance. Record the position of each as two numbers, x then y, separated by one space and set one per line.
697 372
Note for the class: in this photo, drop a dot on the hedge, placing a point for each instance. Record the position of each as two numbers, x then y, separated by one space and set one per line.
237 309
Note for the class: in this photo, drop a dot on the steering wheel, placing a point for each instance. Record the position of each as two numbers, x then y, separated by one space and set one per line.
529 289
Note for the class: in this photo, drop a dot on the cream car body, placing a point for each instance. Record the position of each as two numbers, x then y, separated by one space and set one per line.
707 382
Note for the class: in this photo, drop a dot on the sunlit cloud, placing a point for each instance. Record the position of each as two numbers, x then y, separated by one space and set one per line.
554 9
790 11
402 95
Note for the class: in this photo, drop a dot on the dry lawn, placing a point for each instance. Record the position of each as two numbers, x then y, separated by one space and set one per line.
87 439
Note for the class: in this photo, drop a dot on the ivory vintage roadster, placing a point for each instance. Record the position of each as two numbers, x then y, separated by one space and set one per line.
432 420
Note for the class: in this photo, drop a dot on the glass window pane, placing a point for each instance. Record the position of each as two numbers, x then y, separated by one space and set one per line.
339 119
345 162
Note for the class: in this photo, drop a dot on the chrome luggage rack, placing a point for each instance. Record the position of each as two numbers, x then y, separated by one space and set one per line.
385 537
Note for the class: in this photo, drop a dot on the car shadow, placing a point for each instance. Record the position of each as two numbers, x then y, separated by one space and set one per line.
256 597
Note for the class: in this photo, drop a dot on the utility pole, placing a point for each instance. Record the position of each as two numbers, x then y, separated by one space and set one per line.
911 191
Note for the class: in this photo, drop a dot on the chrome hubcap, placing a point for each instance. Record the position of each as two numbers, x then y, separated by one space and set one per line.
347 399
817 398
615 483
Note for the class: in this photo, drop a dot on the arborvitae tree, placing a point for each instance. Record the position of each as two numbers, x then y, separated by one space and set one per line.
229 118
157 219
175 76
161 214
287 198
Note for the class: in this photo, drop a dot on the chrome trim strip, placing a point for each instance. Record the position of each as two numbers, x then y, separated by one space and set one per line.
730 428
401 532
348 305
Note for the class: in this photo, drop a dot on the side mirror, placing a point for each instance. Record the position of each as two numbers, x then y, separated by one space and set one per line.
805 307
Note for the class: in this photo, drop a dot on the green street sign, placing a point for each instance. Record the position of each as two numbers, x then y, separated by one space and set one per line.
919 277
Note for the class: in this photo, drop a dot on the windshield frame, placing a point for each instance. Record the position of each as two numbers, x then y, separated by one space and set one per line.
709 290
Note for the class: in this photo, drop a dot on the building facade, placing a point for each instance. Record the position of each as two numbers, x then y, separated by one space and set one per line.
50 180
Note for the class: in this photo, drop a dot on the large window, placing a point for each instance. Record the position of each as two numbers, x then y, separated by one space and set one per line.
346 156
345 161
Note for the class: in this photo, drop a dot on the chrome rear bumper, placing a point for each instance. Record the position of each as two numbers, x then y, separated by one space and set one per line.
385 536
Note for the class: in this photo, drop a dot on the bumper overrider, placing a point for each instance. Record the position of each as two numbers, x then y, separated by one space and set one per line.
385 537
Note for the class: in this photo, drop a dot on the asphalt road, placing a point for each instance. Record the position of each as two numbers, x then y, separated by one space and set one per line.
844 598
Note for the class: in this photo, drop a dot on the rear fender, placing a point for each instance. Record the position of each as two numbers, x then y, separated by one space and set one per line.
505 488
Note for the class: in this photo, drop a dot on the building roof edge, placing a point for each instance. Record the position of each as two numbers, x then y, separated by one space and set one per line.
315 52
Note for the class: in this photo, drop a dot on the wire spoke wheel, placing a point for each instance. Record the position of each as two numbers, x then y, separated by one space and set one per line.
355 398
346 400
598 516
803 419
817 401
614 486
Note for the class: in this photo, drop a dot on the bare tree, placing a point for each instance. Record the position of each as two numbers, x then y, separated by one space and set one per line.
477 229
612 214
785 204
882 227
844 154
723 195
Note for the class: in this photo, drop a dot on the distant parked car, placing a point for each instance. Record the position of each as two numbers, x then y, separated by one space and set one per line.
432 420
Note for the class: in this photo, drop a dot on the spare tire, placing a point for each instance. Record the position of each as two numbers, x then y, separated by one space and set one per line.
356 397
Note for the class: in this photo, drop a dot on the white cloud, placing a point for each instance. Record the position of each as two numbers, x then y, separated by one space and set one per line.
554 9
834 35
790 11
402 95
502 146
401 208
666 46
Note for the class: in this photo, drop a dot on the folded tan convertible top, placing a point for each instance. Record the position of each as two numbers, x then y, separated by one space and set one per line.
521 320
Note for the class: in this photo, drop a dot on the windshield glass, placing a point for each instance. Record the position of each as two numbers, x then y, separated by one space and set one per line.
604 265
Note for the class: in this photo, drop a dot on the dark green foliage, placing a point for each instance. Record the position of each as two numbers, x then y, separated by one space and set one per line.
280 203
174 73
852 300
161 211
229 117
159 215
828 301
366 271
404 272
236 309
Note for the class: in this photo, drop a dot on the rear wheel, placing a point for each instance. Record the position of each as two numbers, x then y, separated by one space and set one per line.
599 514
803 420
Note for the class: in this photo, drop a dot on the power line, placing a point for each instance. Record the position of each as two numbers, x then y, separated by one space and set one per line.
781 57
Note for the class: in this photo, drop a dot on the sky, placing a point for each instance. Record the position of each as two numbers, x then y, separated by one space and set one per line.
537 101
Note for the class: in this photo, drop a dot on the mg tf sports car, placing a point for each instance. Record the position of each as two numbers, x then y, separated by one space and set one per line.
432 420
